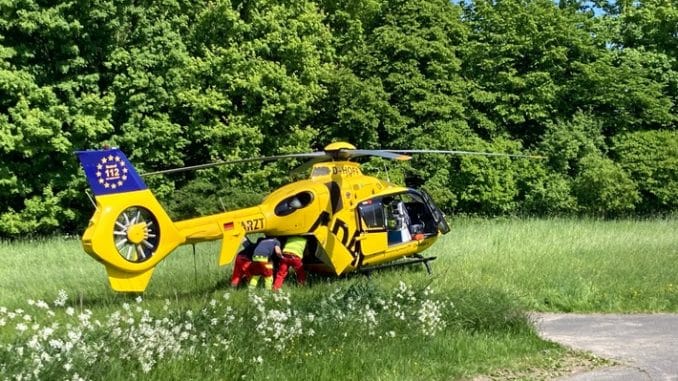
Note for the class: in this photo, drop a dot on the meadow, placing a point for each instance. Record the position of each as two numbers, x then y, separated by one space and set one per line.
60 320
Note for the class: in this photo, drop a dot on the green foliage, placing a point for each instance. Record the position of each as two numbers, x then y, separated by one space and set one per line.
517 53
201 196
355 110
603 188
628 89
411 49
651 24
544 192
49 106
651 160
487 184
254 75
566 143
177 82
582 179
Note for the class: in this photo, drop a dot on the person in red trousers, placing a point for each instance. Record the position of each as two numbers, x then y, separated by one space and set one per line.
292 256
262 262
242 263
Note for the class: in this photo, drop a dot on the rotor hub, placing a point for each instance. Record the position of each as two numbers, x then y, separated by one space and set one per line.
336 146
137 233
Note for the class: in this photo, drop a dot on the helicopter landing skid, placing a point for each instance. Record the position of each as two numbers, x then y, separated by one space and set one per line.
416 258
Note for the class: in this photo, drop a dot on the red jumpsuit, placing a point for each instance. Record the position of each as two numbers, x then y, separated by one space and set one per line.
292 256
242 263
261 262
240 268
258 269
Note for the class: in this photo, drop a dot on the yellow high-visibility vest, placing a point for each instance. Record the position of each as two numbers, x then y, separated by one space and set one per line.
295 245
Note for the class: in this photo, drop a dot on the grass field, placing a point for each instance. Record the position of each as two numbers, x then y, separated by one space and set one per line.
59 319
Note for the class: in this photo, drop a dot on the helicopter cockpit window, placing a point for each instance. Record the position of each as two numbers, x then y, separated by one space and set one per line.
320 171
292 203
372 212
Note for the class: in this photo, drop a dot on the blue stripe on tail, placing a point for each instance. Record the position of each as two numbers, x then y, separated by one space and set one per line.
108 171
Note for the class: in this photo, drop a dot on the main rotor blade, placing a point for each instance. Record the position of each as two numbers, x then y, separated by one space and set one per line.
388 154
239 161
457 152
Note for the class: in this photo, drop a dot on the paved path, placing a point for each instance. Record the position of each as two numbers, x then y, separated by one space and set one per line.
645 345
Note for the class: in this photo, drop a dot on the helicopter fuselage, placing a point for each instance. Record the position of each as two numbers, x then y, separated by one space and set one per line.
339 206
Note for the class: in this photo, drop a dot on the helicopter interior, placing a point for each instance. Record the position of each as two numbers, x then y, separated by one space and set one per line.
403 216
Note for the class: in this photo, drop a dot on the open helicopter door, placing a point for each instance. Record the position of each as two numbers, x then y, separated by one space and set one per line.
437 214
374 237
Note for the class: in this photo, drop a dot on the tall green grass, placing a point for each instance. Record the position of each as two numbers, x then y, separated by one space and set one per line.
568 264
470 317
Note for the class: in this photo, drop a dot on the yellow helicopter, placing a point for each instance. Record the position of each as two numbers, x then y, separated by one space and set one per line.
351 221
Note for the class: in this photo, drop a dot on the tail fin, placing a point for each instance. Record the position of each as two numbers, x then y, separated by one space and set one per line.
130 232
108 171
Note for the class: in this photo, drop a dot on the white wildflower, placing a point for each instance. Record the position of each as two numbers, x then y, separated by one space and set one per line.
146 367
46 332
77 377
62 297
56 344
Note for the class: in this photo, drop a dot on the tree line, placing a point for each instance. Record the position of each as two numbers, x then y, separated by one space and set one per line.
591 86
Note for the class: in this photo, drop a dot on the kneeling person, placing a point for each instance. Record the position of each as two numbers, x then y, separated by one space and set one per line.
292 256
242 263
262 264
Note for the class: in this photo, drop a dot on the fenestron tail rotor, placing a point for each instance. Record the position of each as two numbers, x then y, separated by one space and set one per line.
136 234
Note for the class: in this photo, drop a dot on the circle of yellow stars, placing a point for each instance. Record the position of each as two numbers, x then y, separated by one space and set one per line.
111 172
